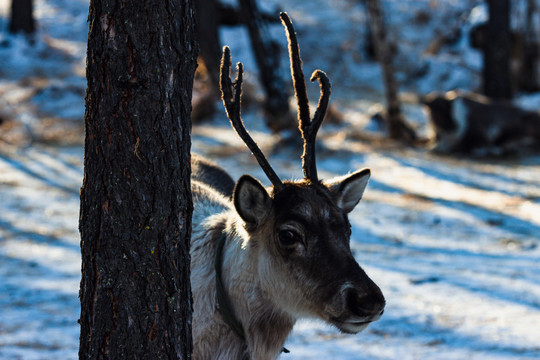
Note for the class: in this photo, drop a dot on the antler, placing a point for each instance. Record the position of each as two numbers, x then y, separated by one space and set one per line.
232 108
308 127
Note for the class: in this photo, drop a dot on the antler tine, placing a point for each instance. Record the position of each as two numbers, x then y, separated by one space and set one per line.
308 128
324 83
309 158
297 73
225 83
232 108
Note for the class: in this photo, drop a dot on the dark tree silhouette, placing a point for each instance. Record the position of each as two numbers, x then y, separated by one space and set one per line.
496 74
210 15
22 17
395 121
136 205
267 54
207 15
529 71
207 27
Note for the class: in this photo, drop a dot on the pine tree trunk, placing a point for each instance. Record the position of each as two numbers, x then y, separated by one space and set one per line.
135 219
497 82
22 18
395 121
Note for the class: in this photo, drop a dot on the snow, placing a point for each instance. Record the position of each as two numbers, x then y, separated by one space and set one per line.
453 242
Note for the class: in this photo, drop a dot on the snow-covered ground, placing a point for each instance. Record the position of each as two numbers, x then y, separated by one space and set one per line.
452 242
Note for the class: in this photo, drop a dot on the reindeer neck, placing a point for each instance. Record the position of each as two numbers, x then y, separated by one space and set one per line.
225 306
238 293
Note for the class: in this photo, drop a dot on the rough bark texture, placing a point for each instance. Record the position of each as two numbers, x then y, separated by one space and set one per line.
397 127
497 81
135 219
22 18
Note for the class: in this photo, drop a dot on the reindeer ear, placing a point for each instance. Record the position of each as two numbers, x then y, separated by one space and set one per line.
251 200
348 189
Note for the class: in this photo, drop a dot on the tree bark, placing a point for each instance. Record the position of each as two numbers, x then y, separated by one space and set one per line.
497 80
135 218
22 18
395 121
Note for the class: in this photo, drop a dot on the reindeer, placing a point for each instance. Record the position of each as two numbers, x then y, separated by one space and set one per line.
470 123
266 257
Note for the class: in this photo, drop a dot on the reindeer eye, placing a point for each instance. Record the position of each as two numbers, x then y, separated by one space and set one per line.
288 238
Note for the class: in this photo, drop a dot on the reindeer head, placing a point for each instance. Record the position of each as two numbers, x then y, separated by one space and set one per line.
300 230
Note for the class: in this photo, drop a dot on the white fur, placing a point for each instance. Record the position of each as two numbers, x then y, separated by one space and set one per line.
352 193
212 337
349 189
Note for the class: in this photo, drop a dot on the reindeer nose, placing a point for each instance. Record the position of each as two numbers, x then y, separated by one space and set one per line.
365 304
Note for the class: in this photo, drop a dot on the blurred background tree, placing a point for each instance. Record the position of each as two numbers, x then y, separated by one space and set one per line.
22 17
211 14
496 49
394 119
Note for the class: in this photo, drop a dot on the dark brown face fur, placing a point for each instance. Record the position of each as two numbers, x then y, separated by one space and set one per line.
310 243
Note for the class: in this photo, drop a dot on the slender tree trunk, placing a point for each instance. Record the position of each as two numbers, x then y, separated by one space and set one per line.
395 121
135 219
497 81
529 69
266 53
22 18
207 33
206 12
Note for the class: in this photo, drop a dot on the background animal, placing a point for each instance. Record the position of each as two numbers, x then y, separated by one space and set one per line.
471 123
